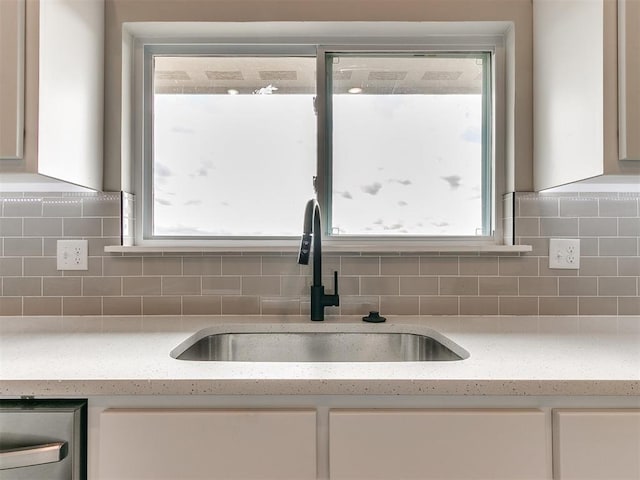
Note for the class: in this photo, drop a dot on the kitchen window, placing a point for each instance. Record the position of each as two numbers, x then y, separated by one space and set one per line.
396 142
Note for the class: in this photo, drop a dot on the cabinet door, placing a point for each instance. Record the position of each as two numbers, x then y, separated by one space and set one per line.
207 444
11 78
629 78
596 444
438 444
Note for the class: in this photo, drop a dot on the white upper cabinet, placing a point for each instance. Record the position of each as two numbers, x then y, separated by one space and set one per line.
64 92
575 92
11 78
629 78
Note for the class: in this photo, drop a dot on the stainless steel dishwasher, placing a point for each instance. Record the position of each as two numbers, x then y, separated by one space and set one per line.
43 439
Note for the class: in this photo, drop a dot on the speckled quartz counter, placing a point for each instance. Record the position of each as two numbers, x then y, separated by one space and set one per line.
92 356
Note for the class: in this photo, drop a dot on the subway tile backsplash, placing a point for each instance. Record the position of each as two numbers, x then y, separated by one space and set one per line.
607 283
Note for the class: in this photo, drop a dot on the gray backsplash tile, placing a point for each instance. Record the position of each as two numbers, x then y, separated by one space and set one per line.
608 226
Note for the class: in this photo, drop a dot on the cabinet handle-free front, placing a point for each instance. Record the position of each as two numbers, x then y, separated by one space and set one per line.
34 455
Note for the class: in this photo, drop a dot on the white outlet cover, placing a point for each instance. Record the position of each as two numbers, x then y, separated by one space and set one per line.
72 255
564 253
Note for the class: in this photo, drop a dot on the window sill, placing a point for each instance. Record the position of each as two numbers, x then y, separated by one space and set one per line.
396 247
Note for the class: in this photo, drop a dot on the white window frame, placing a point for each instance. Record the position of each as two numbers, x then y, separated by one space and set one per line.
303 46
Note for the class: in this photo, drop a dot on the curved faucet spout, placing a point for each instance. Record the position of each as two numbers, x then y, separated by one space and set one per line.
312 228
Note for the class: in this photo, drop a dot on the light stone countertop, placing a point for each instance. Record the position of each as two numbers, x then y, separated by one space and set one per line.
89 356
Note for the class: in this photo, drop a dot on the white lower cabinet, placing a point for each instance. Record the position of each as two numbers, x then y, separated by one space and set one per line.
598 444
438 444
180 444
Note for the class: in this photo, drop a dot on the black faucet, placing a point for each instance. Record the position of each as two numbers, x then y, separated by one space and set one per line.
313 227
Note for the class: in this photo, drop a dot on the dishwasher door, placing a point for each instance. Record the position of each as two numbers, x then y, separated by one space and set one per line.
43 439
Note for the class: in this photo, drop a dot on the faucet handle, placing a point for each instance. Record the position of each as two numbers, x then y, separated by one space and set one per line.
335 283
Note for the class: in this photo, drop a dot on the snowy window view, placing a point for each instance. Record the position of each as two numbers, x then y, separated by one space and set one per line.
234 145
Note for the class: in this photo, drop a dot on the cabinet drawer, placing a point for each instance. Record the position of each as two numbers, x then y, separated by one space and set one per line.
207 444
596 444
438 444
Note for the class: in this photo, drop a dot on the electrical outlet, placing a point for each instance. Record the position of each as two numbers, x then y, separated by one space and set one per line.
564 253
72 254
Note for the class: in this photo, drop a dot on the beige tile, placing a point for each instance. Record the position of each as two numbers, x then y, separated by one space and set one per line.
518 306
11 267
22 247
240 305
618 286
62 207
101 286
619 247
537 286
597 305
360 265
22 286
405 305
280 306
102 206
432 305
627 306
22 207
479 306
298 286
264 285
10 306
161 305
400 266
379 285
559 227
181 286
122 266
629 227
82 306
579 286
287 265
122 306
141 286
10 227
589 246
518 266
199 305
618 208
479 266
40 267
594 266
439 266
201 266
346 285
161 266
418 285
558 305
221 286
234 265
578 207
359 305
61 286
598 227
42 227
527 226
82 227
538 207
42 306
498 285
111 227
539 246
459 286
628 266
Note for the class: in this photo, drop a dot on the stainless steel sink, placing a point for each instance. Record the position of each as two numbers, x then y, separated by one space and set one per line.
317 347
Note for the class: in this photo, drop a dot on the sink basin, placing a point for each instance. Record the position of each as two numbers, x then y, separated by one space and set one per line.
317 347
